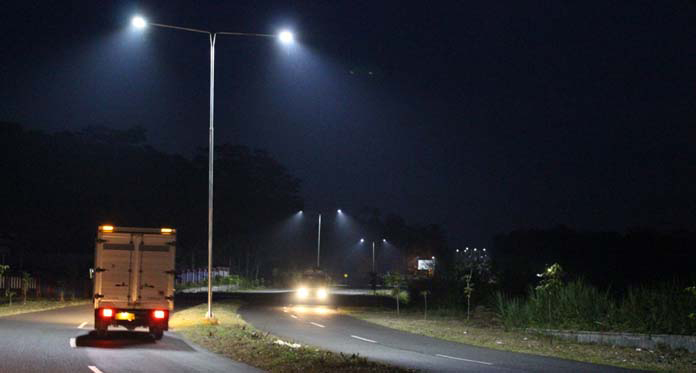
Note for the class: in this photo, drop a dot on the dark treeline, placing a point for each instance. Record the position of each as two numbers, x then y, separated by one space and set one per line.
57 188
613 260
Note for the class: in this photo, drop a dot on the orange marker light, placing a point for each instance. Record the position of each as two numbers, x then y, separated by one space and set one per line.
107 228
166 230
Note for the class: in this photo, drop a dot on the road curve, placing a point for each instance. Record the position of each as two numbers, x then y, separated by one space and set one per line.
341 333
61 340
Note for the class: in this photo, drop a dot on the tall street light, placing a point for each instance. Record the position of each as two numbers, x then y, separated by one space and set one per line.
384 240
285 37
339 212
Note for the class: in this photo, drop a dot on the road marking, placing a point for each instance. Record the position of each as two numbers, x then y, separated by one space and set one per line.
459 358
82 325
72 343
94 369
315 324
363 339
293 316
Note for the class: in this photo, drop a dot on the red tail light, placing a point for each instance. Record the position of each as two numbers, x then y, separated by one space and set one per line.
107 312
159 314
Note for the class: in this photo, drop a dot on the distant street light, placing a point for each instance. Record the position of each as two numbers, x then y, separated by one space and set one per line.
319 235
384 240
285 37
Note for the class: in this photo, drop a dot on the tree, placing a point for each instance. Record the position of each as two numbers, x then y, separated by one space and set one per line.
551 283
26 278
395 281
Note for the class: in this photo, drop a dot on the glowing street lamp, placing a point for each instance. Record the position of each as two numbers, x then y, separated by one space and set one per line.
138 22
285 37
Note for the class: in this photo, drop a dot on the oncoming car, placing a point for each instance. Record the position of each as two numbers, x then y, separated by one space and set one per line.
313 288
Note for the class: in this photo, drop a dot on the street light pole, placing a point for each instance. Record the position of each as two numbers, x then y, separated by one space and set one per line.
319 241
373 256
286 37
211 136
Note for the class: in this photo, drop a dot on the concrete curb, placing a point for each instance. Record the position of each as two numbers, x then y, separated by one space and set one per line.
646 341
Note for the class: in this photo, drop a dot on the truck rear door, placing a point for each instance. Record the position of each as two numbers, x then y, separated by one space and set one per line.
114 267
156 270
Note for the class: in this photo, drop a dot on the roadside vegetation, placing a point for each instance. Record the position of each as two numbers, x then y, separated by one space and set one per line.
34 305
485 329
576 305
233 337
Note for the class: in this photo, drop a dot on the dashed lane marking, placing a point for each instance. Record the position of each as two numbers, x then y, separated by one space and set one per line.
82 325
72 343
293 316
363 339
461 359
315 324
94 369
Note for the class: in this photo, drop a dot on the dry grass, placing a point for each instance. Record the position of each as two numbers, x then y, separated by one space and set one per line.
231 336
482 330
36 305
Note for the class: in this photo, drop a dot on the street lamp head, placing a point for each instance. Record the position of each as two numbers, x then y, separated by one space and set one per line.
339 211
286 37
138 22
362 240
300 212
384 240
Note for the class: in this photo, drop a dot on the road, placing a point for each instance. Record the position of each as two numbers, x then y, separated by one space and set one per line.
336 332
61 341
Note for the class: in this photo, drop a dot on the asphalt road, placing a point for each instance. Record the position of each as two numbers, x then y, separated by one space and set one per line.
62 341
325 328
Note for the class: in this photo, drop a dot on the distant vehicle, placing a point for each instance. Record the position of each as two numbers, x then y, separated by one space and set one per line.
134 278
313 288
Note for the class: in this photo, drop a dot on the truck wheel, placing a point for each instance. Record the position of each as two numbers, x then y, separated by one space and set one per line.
157 333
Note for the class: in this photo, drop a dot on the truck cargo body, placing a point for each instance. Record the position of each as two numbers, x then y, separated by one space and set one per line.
134 278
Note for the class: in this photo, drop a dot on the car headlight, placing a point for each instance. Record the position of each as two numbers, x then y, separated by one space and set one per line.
302 293
321 293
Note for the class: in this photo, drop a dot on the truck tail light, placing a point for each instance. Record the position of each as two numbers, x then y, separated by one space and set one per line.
159 314
107 312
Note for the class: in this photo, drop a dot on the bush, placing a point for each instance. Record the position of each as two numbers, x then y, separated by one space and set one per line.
579 306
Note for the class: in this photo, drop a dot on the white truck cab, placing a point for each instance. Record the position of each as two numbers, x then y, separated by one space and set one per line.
134 278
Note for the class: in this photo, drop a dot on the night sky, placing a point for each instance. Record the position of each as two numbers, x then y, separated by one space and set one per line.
480 116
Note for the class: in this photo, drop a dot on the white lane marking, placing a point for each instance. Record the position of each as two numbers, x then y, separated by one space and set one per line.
293 316
72 343
94 369
363 339
459 358
315 324
82 325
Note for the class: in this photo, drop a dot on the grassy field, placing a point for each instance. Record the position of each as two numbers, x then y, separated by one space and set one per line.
234 338
36 305
483 330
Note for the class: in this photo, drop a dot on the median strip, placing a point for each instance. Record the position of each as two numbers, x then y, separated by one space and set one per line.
231 336
462 359
363 339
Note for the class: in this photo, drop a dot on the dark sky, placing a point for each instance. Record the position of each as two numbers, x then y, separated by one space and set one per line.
481 116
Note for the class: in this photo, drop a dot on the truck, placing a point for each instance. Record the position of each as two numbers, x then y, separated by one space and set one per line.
134 278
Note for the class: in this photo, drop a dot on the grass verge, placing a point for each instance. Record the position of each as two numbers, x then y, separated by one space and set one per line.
482 330
233 337
36 305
